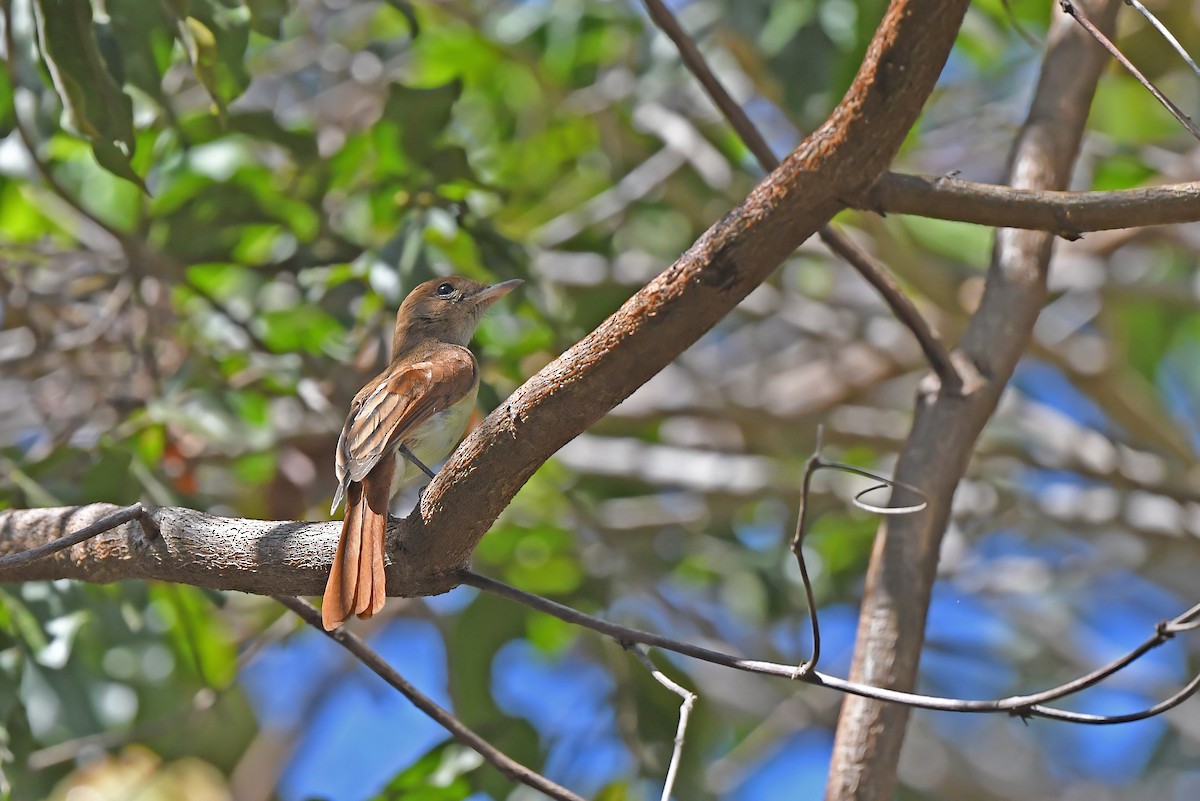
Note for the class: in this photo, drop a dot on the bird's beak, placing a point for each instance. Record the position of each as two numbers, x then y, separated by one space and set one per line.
489 295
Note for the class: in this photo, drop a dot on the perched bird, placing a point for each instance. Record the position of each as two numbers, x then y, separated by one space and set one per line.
409 416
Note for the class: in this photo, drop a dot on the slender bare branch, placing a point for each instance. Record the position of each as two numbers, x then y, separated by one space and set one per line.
875 273
1166 34
364 653
814 464
1067 214
955 377
1072 11
688 699
810 469
1032 705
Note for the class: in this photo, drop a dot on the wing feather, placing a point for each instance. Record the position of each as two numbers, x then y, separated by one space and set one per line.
398 401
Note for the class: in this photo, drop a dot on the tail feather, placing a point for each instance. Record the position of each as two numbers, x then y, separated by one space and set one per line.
357 584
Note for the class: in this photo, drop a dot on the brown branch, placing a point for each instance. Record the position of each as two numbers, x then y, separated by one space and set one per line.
502 762
840 160
1067 214
258 556
875 273
954 377
666 316
904 559
1074 13
20 557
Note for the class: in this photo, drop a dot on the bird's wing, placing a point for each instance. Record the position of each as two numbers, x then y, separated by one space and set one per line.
399 400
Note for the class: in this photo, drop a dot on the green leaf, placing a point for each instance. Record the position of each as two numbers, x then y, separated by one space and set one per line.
201 47
437 776
93 104
116 161
215 37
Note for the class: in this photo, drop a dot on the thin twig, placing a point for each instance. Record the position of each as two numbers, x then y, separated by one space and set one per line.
685 710
505 764
1166 34
878 276
810 469
108 523
1024 706
815 463
1077 15
867 266
412 457
1029 38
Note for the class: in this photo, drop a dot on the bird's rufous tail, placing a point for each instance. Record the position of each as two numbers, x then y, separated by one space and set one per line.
357 585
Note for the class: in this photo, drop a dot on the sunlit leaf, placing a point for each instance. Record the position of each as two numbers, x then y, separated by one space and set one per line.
93 103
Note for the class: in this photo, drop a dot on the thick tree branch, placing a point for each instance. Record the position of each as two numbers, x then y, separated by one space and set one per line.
1068 214
904 561
191 547
839 161
16 557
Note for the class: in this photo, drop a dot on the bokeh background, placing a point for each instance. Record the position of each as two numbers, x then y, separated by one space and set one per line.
306 163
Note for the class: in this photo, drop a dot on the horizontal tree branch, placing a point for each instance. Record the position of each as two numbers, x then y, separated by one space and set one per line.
19 556
1067 214
191 547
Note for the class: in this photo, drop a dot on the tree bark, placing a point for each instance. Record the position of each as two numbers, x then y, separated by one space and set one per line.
904 560
832 167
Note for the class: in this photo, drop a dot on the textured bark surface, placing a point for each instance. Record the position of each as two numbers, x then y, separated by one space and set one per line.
904 561
1063 213
832 167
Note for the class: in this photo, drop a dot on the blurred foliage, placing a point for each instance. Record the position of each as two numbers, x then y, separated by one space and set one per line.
244 190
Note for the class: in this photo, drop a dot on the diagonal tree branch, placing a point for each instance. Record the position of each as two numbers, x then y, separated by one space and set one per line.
840 160
1081 17
514 770
904 560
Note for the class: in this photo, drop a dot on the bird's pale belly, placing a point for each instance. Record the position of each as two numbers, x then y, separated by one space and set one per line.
433 440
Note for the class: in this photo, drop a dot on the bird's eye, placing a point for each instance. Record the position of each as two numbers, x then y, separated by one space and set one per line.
444 289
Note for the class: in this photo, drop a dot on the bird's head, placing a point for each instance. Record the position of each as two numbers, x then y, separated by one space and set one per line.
446 310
